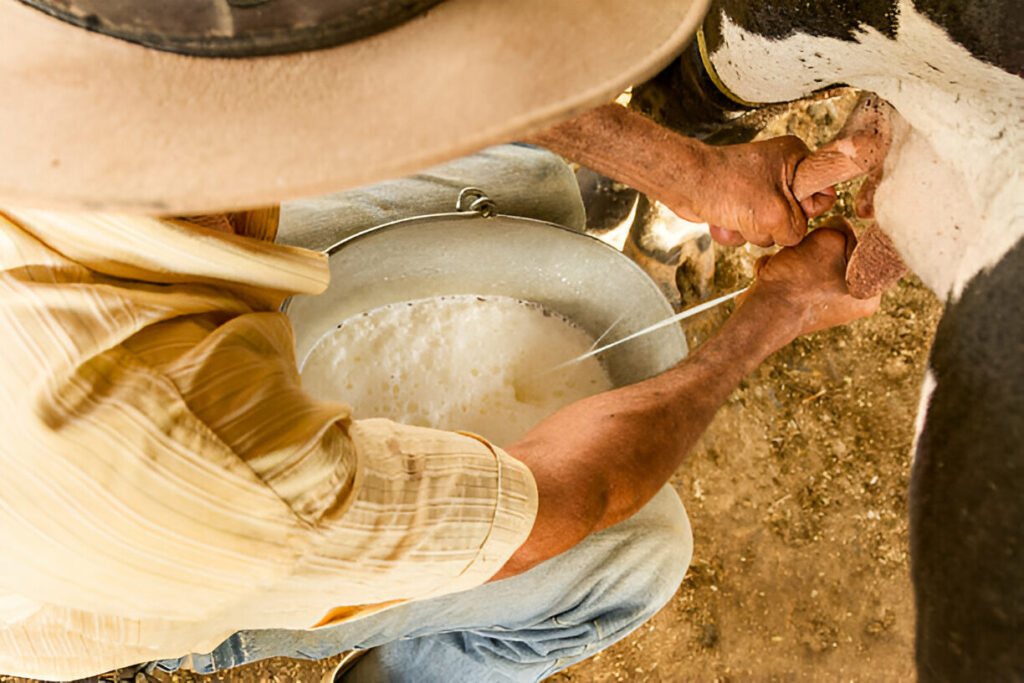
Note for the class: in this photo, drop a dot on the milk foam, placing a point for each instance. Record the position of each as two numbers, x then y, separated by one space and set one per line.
464 362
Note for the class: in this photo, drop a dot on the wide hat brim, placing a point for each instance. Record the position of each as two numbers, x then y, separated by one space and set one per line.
90 122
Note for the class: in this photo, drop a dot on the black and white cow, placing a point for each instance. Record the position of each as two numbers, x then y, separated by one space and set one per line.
952 200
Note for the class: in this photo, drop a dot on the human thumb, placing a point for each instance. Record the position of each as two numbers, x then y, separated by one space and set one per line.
835 162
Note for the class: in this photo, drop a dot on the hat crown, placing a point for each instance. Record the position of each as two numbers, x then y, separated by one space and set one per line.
236 28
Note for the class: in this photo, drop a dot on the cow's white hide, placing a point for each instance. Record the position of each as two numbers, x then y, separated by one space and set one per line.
927 389
953 194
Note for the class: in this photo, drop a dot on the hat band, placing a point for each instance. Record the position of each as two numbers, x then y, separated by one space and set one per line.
236 28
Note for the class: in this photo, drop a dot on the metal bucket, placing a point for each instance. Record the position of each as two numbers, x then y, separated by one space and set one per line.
567 272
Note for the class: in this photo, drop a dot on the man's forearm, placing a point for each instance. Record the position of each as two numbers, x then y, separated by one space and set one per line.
635 150
601 459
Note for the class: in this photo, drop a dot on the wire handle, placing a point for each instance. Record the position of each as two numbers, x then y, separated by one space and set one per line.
474 199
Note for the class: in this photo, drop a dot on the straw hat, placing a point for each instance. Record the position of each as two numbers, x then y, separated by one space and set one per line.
91 121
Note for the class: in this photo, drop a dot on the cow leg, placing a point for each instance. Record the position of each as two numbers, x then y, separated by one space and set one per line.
967 487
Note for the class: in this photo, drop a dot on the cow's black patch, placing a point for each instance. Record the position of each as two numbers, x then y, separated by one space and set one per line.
991 30
967 487
988 29
777 19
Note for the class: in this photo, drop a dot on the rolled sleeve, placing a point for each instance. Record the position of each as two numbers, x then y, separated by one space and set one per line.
438 511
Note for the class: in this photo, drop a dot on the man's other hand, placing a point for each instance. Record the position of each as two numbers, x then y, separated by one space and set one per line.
805 287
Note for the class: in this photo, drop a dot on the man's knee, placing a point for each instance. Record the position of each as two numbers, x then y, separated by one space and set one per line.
666 544
648 554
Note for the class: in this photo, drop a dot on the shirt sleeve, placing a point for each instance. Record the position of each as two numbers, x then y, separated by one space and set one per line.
168 482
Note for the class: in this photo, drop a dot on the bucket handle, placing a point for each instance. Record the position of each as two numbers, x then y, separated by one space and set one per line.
474 199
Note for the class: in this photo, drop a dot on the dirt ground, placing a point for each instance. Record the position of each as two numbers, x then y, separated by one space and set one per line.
797 498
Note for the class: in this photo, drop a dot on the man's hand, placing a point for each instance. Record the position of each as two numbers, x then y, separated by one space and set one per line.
749 196
858 149
804 287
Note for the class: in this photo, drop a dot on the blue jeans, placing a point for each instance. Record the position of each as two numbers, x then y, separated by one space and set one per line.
519 629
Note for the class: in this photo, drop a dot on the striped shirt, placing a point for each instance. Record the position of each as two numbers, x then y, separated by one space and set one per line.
166 482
